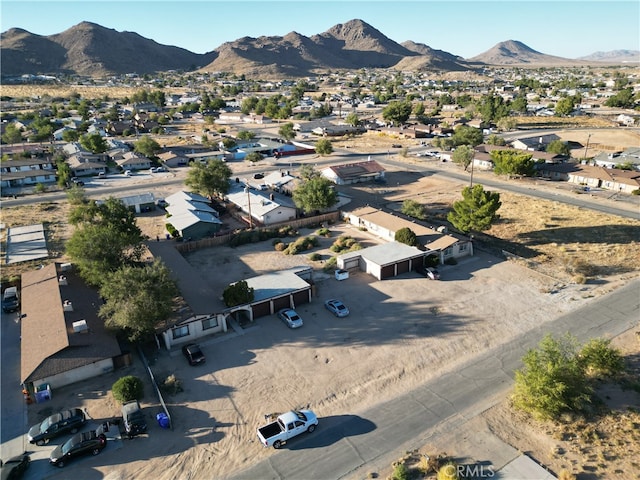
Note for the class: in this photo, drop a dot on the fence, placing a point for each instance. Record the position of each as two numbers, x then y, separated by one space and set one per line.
155 386
193 245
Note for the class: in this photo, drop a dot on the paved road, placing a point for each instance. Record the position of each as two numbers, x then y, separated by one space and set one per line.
347 446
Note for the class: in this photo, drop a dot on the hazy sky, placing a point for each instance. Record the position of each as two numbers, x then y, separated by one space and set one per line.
568 29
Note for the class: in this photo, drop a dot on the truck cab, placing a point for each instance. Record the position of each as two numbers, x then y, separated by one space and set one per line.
286 426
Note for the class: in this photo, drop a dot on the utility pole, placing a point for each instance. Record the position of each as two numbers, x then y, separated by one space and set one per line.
586 148
247 189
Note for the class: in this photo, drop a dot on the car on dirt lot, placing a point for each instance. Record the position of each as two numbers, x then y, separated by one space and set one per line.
290 318
133 419
193 354
396 145
14 468
80 444
336 307
62 422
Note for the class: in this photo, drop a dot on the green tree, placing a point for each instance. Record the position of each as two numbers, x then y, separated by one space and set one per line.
476 211
12 134
352 119
407 236
209 179
106 237
494 139
238 293
414 209
397 112
512 162
558 147
307 172
552 380
94 143
506 124
70 135
128 388
138 299
623 99
465 135
246 135
463 155
315 194
147 146
323 147
287 132
564 106
63 173
492 108
519 104
76 195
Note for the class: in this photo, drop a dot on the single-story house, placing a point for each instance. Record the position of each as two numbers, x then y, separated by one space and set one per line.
83 166
264 208
62 339
26 172
631 156
621 181
192 216
435 241
143 202
132 161
384 261
171 159
536 143
350 173
272 292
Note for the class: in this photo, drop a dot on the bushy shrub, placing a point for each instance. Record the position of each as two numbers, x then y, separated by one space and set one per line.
172 385
314 257
344 243
301 245
400 472
280 246
449 471
599 358
276 241
128 388
330 265
323 232
172 230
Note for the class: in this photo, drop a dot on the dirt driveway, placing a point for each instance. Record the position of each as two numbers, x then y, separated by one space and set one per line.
400 333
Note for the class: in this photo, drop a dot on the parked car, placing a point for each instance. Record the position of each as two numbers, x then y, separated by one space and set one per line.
127 173
290 317
193 354
162 203
62 422
133 418
14 468
102 174
153 169
10 299
77 181
92 442
336 307
161 169
432 273
396 145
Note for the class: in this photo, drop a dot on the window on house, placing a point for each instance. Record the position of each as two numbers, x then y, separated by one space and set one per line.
180 332
208 323
462 247
448 252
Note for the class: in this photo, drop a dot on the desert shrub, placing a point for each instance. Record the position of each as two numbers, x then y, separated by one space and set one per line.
579 279
400 472
344 243
566 475
330 264
128 388
172 230
323 232
414 209
599 358
636 191
280 246
276 241
448 471
301 245
314 257
172 385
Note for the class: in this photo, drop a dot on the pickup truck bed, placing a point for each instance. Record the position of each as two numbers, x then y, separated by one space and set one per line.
270 430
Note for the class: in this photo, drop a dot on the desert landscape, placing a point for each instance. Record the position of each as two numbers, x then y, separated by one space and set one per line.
337 366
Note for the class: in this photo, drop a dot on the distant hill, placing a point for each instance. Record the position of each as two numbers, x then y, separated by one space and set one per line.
513 52
614 56
89 49
92 50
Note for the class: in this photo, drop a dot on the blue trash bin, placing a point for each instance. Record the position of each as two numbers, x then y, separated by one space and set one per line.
163 420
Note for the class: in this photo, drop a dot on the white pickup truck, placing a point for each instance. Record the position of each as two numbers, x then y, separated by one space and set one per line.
286 426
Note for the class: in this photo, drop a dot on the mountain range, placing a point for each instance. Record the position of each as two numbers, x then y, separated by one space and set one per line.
89 49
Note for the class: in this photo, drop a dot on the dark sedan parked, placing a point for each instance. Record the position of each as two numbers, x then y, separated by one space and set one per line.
57 424
14 468
81 444
193 354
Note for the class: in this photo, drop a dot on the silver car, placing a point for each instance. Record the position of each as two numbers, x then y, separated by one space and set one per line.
336 307
290 317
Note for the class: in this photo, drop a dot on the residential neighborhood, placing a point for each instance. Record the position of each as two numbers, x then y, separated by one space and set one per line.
238 215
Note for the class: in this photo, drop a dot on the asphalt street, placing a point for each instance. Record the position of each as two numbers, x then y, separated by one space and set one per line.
351 445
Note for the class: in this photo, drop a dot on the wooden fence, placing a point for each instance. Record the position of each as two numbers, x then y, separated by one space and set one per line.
193 245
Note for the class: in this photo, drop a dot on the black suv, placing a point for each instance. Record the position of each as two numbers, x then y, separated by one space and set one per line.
134 421
57 424
87 442
14 468
193 354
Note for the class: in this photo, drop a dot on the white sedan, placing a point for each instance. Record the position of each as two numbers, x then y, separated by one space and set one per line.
336 307
290 317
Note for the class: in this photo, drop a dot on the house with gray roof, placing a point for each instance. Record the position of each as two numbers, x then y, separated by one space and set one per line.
192 216
263 207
